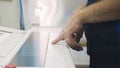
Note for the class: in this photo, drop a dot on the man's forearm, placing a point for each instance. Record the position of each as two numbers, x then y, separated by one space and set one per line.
104 10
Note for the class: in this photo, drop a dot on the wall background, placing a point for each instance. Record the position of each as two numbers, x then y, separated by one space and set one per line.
9 13
53 13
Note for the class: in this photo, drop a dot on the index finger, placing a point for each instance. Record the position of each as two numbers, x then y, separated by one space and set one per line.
59 38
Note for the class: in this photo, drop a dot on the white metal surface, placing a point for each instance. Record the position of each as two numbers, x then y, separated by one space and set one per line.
11 44
57 56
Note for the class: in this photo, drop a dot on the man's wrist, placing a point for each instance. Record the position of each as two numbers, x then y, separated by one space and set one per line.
83 17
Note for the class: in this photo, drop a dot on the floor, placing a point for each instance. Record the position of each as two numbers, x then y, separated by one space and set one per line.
82 66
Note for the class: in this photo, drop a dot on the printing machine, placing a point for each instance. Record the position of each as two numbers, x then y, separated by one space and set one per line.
42 21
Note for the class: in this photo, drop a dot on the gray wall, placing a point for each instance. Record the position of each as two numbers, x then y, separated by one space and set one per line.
9 13
52 12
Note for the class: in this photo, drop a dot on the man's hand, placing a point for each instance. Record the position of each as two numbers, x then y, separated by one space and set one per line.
72 32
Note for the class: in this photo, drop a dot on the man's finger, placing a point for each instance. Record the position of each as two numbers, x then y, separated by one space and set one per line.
59 38
77 38
72 43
